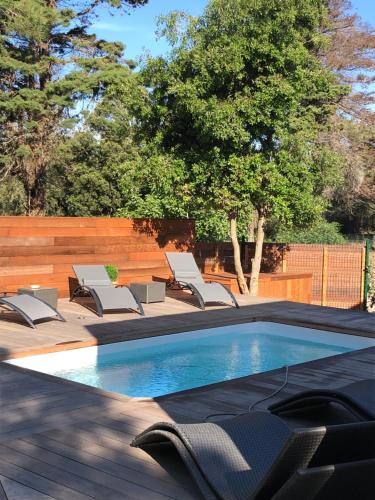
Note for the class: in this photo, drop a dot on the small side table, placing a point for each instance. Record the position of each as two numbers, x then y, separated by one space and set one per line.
152 291
49 295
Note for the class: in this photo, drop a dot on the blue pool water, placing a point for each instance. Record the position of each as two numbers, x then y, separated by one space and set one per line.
162 365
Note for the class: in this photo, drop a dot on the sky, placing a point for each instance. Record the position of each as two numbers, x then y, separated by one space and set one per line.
137 29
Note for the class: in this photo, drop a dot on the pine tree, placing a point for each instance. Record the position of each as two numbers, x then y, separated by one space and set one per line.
49 62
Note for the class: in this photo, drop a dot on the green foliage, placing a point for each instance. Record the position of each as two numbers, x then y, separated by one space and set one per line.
154 186
240 101
321 232
84 180
112 272
13 199
48 63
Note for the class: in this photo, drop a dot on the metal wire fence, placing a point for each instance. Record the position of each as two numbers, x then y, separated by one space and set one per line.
338 270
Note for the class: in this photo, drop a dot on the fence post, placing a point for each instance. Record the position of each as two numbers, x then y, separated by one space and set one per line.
284 261
365 272
324 276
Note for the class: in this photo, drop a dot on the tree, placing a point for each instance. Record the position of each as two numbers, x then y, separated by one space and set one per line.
48 63
241 99
350 53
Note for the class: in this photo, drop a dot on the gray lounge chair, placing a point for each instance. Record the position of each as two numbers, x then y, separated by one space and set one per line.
94 280
30 308
358 398
187 275
251 456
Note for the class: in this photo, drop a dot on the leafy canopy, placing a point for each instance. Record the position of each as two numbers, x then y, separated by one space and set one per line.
241 98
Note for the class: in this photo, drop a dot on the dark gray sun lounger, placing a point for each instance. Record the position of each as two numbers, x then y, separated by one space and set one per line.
94 280
343 481
251 456
30 308
358 398
187 275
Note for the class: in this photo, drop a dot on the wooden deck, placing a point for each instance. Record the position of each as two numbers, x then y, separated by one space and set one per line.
63 440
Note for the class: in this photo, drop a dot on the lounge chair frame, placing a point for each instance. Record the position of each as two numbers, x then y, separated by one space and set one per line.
4 303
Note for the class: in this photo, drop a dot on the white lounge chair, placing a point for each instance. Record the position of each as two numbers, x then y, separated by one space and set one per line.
94 280
187 275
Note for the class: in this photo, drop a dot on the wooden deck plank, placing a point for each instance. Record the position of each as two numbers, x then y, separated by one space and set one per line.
17 490
91 479
117 466
39 483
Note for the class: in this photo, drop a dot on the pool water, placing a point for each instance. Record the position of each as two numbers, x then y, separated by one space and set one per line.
163 365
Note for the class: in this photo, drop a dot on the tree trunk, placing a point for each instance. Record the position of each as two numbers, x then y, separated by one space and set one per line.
237 254
255 268
251 236
217 260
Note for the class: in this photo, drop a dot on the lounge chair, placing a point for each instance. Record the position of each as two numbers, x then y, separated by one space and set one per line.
344 481
94 280
30 308
253 455
358 398
187 275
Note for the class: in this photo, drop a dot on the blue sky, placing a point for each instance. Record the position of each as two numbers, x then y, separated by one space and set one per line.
137 29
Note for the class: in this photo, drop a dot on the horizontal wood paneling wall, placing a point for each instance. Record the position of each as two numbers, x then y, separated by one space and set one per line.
41 250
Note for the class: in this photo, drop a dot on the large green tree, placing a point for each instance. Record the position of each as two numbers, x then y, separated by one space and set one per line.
241 99
49 62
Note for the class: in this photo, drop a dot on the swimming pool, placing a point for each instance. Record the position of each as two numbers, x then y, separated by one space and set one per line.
161 365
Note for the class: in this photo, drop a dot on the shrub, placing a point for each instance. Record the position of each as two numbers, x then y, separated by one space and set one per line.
322 232
112 272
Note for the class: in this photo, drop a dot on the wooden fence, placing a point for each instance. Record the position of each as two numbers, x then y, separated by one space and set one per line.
338 270
41 250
